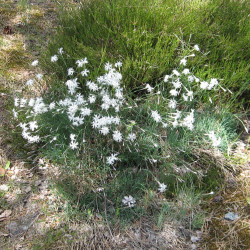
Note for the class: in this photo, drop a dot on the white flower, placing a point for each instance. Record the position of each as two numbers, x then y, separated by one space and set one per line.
60 51
191 78
73 143
30 82
16 102
186 72
85 72
172 104
39 106
164 124
108 66
196 47
131 137
23 101
118 93
70 71
117 136
23 126
52 105
173 92
54 58
81 62
92 86
34 63
92 98
183 62
80 99
31 102
85 111
204 85
190 94
112 159
176 115
149 88
105 106
216 142
162 187
33 125
188 121
156 116
129 200
116 120
112 78
196 79
175 72
104 130
72 85
213 83
166 78
32 139
175 123
118 64
185 97
15 114
177 84
39 76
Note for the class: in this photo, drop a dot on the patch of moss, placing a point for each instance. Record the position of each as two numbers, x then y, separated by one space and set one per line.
12 56
6 13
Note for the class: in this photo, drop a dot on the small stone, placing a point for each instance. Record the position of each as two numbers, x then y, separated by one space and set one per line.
231 216
38 182
21 226
28 189
194 239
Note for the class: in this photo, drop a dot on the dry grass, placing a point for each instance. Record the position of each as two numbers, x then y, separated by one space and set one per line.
233 197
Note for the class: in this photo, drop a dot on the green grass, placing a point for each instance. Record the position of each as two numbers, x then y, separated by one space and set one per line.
147 37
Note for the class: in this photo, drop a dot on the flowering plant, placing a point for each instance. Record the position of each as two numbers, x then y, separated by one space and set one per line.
97 121
98 112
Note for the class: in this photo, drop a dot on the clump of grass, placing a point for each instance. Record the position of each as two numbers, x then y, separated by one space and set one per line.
141 34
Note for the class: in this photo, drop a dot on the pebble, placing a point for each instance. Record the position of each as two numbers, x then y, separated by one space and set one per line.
231 216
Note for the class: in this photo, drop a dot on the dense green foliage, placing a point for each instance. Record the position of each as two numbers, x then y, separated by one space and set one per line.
147 37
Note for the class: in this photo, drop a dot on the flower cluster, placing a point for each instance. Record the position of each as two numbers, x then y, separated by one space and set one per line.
95 112
98 105
96 108
183 87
